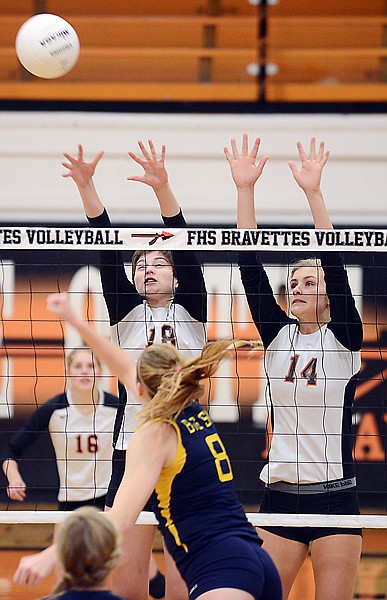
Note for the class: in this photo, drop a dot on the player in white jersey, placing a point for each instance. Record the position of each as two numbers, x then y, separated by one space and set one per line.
167 303
80 423
311 363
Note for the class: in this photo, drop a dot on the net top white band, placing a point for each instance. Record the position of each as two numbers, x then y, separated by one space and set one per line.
76 238
256 519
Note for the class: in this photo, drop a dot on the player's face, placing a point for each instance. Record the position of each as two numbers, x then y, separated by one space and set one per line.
307 295
83 371
153 278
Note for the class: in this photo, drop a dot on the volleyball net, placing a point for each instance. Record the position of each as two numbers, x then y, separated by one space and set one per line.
36 261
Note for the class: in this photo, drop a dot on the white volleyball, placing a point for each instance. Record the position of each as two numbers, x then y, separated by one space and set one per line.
47 46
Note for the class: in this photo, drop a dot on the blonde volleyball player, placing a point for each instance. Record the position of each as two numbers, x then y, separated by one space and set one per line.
312 361
177 458
80 422
168 304
87 548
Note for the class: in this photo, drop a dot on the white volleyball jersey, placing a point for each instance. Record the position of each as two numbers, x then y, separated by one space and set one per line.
135 325
311 379
82 444
83 449
309 386
144 326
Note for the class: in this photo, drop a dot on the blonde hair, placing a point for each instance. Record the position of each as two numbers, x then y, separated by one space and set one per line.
71 355
305 262
310 262
173 383
87 548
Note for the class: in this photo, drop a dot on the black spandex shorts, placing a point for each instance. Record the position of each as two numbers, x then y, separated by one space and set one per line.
329 503
97 502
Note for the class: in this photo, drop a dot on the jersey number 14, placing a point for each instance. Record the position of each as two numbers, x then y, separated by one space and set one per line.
309 372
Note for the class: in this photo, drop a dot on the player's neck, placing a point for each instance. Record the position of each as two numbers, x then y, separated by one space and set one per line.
306 328
159 300
85 399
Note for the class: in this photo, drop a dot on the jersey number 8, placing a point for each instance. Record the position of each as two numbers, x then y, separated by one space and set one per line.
222 461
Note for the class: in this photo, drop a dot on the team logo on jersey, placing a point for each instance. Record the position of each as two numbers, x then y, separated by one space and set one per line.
164 235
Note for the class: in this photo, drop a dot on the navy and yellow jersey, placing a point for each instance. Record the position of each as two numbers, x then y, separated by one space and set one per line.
136 325
311 379
194 500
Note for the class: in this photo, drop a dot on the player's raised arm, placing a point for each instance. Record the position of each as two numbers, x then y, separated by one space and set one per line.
309 180
245 173
118 361
82 173
155 175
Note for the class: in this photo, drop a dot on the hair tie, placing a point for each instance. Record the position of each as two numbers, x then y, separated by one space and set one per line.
178 369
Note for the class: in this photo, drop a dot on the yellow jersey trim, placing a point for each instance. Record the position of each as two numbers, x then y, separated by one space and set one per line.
164 485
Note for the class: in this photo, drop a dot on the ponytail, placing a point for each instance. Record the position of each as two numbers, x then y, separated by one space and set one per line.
88 549
172 383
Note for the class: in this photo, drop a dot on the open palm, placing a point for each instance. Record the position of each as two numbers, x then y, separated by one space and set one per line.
80 170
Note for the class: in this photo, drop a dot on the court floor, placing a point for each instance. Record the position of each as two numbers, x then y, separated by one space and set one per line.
371 580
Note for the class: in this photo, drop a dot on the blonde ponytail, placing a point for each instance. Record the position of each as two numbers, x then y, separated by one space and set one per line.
172 383
88 549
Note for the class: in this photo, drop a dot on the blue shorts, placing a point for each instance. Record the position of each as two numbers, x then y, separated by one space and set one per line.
118 470
236 563
344 502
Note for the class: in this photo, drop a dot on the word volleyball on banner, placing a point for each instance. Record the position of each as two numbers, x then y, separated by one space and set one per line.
202 239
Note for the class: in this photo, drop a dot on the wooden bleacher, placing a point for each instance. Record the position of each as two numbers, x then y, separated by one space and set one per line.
202 50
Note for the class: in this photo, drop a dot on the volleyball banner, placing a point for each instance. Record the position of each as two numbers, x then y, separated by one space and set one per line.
201 239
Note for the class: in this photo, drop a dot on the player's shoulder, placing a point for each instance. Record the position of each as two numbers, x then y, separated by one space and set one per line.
136 311
153 432
56 403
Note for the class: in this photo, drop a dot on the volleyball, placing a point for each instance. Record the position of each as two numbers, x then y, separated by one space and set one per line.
47 46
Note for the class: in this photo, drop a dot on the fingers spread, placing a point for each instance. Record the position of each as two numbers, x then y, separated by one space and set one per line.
301 151
245 144
144 151
136 158
234 148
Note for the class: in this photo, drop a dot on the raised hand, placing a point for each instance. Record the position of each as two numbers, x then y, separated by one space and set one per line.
155 174
80 170
244 169
59 304
309 176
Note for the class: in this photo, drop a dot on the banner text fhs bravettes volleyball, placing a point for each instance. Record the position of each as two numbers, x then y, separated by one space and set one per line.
204 239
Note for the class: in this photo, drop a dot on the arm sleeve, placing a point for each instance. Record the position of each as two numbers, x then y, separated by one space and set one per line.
345 320
119 292
268 316
29 432
191 292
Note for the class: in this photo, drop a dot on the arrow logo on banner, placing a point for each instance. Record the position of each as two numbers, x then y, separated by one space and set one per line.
164 235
